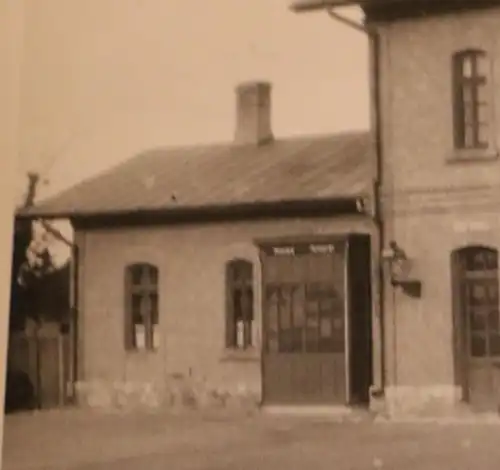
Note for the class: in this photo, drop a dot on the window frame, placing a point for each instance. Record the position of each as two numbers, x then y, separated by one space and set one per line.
485 276
144 287
475 82
233 284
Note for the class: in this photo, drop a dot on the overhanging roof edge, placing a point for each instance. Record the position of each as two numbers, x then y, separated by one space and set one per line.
265 205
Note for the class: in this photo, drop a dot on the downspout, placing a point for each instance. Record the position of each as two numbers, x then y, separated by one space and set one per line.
374 43
73 378
375 70
379 218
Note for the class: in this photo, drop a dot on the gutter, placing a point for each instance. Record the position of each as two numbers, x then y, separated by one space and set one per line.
301 6
340 204
74 299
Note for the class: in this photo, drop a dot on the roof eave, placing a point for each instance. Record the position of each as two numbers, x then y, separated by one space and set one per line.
341 204
303 6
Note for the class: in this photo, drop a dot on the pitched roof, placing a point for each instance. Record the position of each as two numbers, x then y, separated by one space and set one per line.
293 169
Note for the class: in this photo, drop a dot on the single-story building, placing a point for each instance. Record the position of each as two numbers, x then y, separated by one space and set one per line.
239 272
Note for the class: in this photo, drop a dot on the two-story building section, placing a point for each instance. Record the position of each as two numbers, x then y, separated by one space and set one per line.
437 115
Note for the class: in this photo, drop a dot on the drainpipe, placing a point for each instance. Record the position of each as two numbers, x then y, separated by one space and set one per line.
374 39
74 321
378 185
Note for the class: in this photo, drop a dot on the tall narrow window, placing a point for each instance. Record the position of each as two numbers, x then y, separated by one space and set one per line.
471 106
239 312
141 322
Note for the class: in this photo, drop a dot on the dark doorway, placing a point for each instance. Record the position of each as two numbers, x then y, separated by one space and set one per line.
360 313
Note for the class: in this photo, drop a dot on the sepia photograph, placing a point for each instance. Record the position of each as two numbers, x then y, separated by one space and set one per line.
250 234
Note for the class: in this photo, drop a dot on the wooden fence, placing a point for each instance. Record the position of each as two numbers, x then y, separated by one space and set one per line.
44 355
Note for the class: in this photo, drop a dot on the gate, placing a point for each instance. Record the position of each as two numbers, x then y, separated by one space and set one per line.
44 357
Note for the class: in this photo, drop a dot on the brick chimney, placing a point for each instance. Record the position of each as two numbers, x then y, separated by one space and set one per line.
253 113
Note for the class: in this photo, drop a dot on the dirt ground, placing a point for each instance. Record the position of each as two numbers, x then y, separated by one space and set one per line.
77 440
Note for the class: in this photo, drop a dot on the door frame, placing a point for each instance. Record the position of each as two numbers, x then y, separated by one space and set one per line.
460 324
347 323
266 244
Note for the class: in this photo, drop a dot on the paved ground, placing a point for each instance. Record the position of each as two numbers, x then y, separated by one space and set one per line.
72 440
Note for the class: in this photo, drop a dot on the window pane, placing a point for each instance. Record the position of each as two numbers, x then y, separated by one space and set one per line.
483 135
298 308
272 310
476 260
154 309
478 294
493 292
338 324
156 336
493 321
237 310
468 115
483 94
140 336
467 66
478 320
491 259
153 275
312 308
482 65
312 337
240 334
240 271
478 346
285 310
469 136
495 345
325 327
467 94
247 304
285 341
480 259
329 345
273 344
247 334
137 318
137 274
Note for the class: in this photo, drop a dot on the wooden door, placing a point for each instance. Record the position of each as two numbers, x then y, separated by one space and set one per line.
304 353
479 305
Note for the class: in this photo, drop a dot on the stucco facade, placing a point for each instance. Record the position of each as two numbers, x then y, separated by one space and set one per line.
436 199
191 366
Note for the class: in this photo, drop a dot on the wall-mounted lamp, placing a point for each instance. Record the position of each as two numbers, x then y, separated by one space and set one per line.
402 270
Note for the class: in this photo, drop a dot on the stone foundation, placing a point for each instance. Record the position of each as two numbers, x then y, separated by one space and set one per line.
176 393
430 401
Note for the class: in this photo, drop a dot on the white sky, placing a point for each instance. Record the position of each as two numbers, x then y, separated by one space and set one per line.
105 79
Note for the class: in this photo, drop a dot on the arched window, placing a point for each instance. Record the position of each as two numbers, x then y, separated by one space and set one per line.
471 100
239 305
478 279
141 307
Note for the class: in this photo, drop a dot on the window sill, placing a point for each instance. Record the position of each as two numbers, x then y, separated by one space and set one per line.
141 352
251 355
473 155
